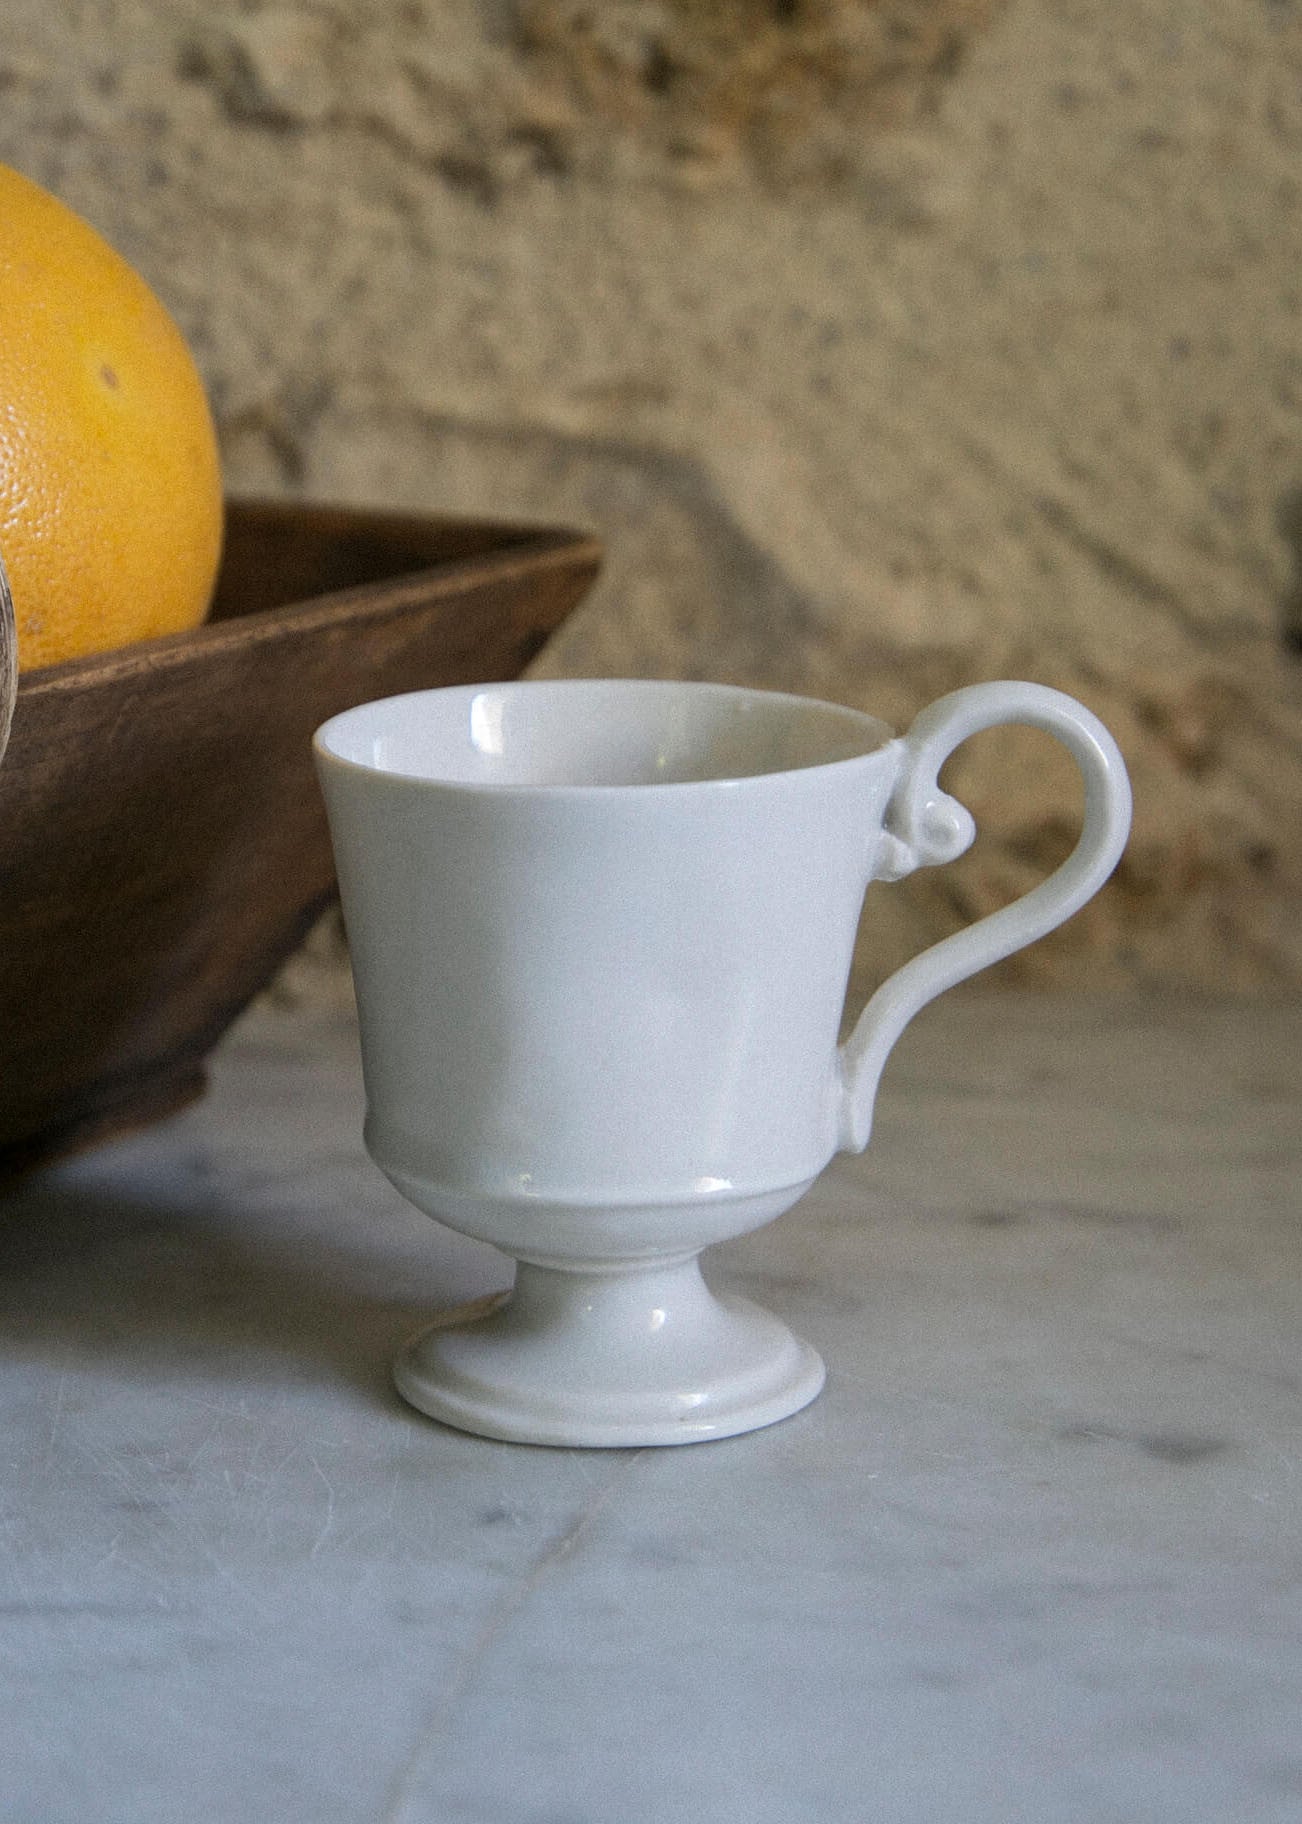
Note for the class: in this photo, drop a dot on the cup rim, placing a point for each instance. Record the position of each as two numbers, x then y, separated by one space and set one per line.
882 734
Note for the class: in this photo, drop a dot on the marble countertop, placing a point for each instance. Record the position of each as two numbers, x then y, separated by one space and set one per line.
1033 1555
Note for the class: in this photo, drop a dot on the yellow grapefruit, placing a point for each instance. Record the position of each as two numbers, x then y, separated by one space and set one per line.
110 481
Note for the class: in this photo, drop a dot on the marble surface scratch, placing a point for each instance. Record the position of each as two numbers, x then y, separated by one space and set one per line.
399 1809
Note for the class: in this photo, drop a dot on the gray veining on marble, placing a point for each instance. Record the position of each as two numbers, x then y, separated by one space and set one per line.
1034 1555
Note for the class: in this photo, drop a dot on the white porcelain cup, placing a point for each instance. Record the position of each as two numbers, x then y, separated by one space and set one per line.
601 934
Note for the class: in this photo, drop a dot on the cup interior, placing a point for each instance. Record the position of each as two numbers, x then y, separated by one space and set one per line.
596 733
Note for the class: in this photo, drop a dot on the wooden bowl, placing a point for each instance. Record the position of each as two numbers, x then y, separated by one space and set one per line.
163 846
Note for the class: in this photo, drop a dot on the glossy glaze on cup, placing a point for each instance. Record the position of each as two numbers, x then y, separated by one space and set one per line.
601 933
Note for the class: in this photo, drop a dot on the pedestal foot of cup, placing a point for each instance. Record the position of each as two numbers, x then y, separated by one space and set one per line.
634 1356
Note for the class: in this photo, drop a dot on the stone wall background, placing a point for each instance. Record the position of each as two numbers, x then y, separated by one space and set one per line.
888 346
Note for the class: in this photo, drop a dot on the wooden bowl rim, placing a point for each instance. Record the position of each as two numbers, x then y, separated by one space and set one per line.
529 549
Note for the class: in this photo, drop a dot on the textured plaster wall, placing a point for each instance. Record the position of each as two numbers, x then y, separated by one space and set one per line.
888 347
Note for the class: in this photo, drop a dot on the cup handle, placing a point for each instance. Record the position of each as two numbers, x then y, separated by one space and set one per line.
923 827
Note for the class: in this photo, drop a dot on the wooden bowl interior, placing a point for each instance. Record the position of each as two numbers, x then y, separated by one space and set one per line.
277 553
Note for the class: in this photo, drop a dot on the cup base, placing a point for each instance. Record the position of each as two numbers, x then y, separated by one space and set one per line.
609 1360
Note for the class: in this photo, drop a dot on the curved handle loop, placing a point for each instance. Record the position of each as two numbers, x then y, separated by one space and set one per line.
924 826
